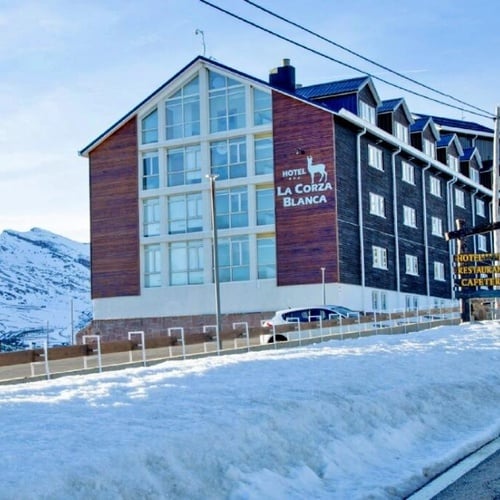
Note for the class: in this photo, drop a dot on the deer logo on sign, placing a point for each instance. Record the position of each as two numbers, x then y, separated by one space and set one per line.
318 168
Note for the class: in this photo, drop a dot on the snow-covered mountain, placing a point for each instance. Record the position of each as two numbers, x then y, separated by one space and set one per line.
44 288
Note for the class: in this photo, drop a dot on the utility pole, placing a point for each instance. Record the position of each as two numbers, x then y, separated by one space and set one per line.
494 215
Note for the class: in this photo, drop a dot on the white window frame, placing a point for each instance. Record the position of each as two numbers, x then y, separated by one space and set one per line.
375 158
459 198
439 271
411 264
453 162
408 172
474 174
409 216
437 226
429 147
367 112
401 132
379 257
377 205
480 207
435 186
482 243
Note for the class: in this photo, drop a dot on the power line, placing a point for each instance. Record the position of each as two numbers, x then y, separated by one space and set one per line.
326 56
371 61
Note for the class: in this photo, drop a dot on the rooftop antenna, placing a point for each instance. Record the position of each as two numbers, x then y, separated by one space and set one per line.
202 34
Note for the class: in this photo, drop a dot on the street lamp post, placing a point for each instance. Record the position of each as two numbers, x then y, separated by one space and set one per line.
215 262
323 269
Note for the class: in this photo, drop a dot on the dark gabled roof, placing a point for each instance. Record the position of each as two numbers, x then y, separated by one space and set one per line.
457 124
421 124
392 105
333 88
389 106
445 140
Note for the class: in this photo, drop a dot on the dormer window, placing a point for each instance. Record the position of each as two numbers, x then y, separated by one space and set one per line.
474 174
401 132
367 112
453 162
430 148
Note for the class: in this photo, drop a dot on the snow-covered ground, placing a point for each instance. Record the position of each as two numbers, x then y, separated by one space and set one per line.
372 417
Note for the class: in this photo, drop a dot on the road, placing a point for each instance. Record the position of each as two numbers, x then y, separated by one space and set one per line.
477 477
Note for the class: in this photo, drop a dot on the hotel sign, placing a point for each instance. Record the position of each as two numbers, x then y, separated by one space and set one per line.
308 185
477 269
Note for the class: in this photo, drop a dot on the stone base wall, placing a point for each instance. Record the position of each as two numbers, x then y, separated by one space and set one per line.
117 329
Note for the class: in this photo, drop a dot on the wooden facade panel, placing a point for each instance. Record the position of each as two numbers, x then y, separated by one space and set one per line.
114 215
305 197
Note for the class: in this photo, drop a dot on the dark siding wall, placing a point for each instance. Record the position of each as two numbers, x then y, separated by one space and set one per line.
347 204
306 235
114 215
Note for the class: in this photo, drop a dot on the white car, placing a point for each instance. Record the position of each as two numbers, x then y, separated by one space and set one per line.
310 314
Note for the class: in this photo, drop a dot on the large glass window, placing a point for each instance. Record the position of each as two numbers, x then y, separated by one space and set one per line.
266 257
437 226
265 205
453 162
226 103
184 166
150 171
152 266
183 111
185 213
367 112
234 259
149 128
262 107
232 207
186 262
430 148
459 198
151 217
408 172
228 158
263 148
435 186
401 132
438 271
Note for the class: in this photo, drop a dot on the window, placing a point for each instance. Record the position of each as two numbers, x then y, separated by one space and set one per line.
226 103
150 171
265 205
232 207
234 260
377 205
149 128
480 208
266 257
152 266
228 158
409 216
375 157
263 150
437 226
184 166
186 263
482 243
183 111
151 217
185 213
439 271
367 112
459 198
379 301
411 264
474 174
411 303
408 172
435 186
379 255
429 148
262 107
401 132
453 162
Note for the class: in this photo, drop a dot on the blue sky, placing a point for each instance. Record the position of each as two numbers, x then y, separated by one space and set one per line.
69 69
